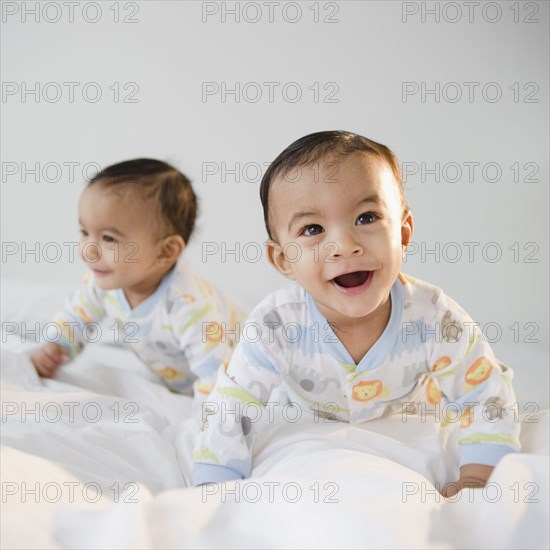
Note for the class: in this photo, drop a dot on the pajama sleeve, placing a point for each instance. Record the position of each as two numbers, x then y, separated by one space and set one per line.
206 333
236 406
78 321
476 388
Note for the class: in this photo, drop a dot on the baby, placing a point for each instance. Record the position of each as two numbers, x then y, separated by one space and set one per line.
353 338
136 218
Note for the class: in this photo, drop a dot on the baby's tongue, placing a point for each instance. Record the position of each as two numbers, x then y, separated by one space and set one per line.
349 280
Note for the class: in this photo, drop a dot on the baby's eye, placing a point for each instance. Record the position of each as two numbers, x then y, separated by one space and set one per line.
108 239
313 229
83 232
366 218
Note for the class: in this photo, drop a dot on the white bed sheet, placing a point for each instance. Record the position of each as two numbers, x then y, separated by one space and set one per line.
361 487
374 482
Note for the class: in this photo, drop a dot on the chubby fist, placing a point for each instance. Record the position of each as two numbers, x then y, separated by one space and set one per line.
49 358
473 476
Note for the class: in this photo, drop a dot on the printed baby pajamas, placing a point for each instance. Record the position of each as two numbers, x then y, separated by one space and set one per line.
179 331
430 354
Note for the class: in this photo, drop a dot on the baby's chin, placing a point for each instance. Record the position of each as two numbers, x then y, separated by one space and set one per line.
343 312
351 308
102 284
355 314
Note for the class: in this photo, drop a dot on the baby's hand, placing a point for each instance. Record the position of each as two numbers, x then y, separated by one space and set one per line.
49 358
471 475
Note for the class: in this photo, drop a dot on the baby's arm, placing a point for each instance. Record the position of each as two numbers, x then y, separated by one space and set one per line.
229 414
82 307
471 377
49 358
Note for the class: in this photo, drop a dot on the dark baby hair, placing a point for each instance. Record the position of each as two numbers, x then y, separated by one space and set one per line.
159 182
312 148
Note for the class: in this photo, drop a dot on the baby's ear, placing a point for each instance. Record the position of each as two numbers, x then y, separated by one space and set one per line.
170 248
407 228
277 259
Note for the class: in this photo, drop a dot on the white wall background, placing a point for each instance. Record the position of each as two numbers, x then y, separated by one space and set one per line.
368 50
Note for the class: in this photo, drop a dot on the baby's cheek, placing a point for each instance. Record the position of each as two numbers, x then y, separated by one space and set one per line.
110 254
303 260
309 254
306 255
390 254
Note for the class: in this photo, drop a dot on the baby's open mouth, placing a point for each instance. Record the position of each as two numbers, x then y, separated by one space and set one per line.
351 280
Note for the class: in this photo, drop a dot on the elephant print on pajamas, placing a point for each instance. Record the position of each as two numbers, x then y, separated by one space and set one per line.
240 429
414 372
312 380
257 387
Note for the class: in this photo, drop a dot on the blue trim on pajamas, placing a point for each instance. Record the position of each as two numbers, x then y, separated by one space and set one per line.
213 473
482 453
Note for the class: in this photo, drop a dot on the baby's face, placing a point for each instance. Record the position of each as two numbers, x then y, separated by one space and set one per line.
340 230
117 239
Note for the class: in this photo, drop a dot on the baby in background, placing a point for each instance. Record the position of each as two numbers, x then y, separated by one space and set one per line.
352 338
136 218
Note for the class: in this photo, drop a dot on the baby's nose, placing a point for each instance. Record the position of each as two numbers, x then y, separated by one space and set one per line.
91 252
347 245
